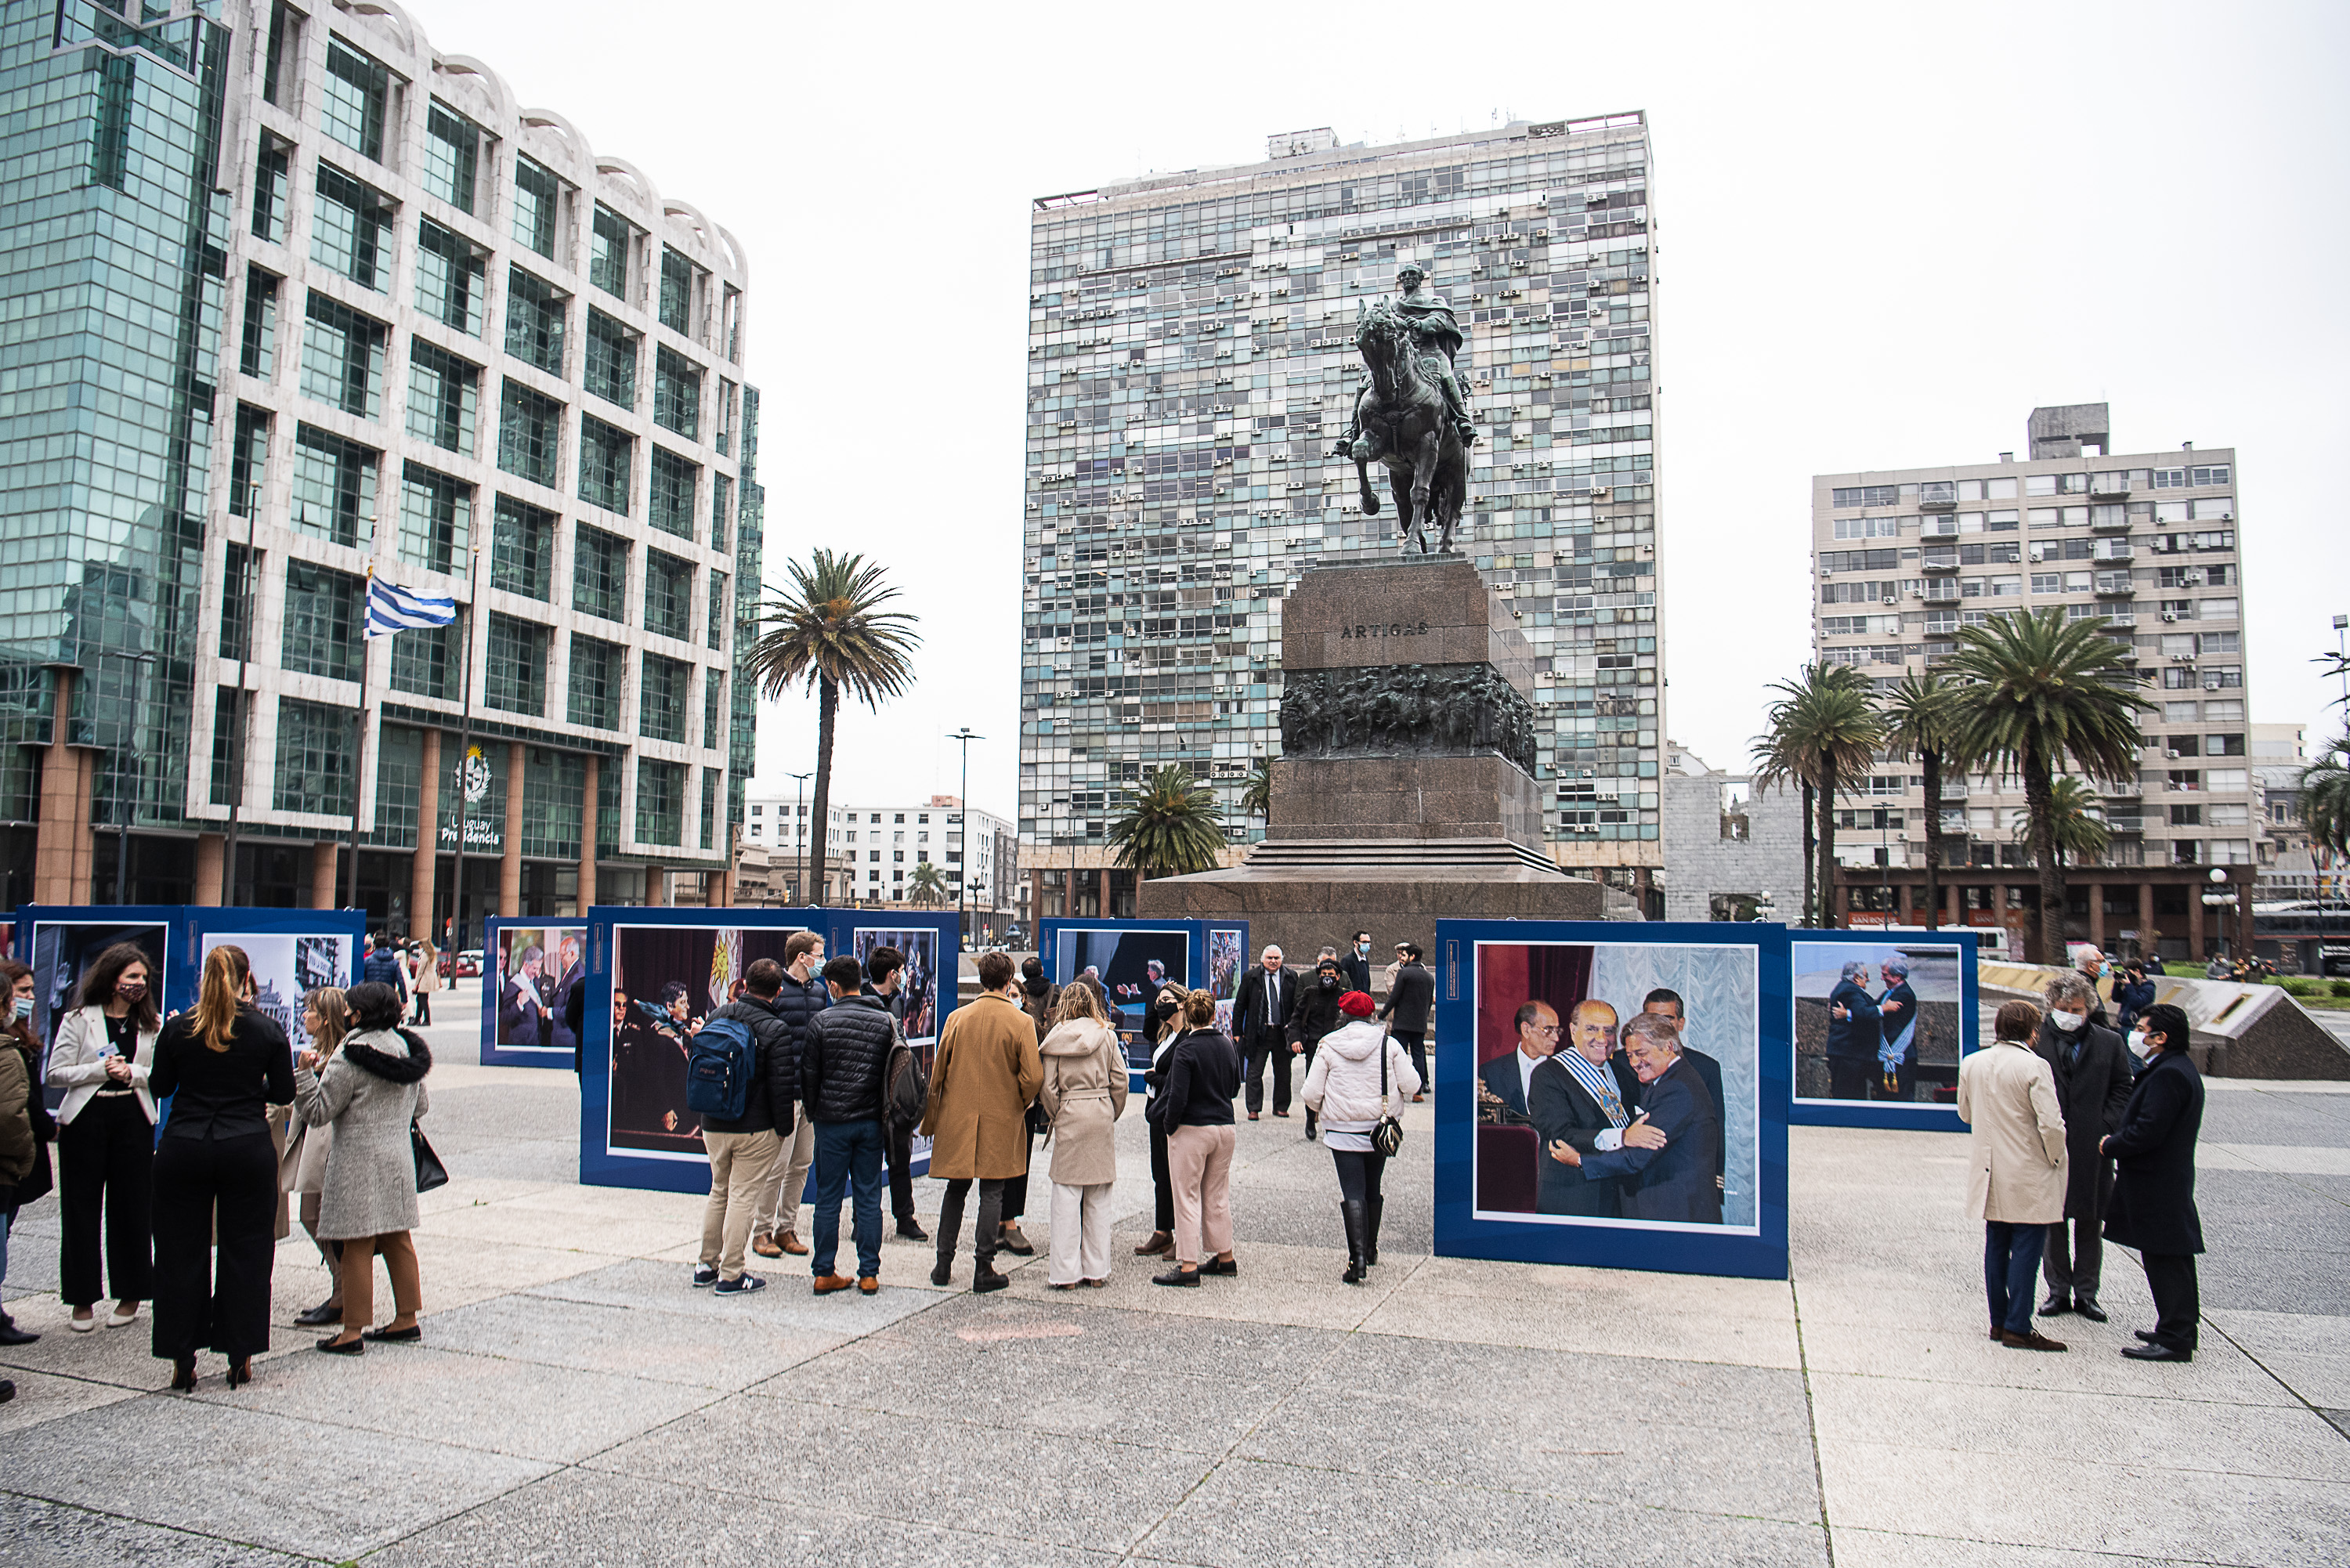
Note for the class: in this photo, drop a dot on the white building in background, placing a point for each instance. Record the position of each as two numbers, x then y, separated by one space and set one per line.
872 852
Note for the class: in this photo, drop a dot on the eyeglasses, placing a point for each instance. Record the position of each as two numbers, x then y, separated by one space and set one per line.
1545 1029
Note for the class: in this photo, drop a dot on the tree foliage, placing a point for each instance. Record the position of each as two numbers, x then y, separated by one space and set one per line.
1170 826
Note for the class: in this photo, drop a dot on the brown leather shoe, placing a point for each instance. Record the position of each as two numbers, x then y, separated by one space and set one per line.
826 1284
869 1285
765 1245
1157 1241
793 1244
2035 1340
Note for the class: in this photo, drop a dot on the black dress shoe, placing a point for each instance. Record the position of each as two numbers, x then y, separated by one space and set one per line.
320 1315
353 1348
1227 1267
988 1279
911 1231
1177 1276
414 1331
2148 1334
2056 1306
11 1334
2088 1308
2157 1351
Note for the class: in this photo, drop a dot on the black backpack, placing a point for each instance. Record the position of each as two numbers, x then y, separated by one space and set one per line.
905 1087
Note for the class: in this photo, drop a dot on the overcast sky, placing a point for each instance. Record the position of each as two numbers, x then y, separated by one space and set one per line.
1884 233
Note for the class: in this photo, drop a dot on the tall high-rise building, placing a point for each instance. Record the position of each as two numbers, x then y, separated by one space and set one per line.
1192 363
2146 544
296 299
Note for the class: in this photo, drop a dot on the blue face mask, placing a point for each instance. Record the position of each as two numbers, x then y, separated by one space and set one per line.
24 1008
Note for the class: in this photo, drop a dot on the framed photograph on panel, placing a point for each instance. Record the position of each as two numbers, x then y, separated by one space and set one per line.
1882 1020
528 968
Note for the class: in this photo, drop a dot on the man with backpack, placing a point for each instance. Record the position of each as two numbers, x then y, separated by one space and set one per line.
845 1058
742 1074
801 998
885 977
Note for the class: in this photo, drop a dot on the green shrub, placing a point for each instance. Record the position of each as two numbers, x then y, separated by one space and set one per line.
2340 988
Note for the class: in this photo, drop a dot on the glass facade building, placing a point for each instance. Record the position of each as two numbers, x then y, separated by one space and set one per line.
1192 363
296 299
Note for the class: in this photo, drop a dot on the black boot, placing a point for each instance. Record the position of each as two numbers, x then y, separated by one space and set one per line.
1309 1122
1352 1215
1371 1207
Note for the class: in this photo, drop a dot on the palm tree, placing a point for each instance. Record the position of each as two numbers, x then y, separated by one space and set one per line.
1169 826
1920 720
830 631
2037 688
2081 831
926 886
1776 765
1256 794
1823 730
2326 796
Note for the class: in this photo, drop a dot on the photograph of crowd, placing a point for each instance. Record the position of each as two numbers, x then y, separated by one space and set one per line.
287 967
919 986
1879 1023
1130 968
532 970
665 982
63 949
1617 1084
1227 956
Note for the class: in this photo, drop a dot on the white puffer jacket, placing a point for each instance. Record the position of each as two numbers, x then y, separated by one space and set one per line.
1343 1090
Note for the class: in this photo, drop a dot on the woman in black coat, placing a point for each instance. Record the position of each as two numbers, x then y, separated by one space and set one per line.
1194 1106
2153 1206
1162 1023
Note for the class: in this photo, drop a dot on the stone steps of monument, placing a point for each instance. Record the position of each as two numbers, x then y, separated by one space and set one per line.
1455 853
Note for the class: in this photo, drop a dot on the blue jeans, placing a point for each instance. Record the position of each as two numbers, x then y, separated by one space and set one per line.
2011 1263
847 1154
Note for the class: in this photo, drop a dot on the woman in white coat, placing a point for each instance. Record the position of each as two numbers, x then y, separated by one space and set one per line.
106 1137
2007 1095
1343 1090
1084 1095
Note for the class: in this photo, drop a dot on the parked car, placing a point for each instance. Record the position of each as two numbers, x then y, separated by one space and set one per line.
466 965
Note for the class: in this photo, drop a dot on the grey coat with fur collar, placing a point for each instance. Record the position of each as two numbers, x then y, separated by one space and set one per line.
369 1093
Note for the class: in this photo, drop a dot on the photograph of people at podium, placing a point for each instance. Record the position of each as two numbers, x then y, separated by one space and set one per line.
1618 1084
1881 1023
1130 969
665 980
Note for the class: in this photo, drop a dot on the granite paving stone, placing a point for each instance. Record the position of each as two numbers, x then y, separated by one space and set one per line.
51 1535
704 1351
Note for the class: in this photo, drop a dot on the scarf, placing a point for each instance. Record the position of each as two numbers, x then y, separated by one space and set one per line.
1598 1081
408 1069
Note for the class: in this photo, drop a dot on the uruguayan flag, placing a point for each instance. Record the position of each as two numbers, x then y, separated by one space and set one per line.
394 608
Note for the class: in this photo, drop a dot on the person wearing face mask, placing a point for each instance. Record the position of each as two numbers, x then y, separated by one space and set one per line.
2091 1069
1317 1015
2133 996
2093 969
106 1141
1355 969
2154 1192
26 1130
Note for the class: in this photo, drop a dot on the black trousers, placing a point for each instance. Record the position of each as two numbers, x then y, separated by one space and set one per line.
983 1230
106 1165
2177 1302
1415 1042
215 1294
901 1152
1163 1184
1359 1174
1015 1187
1849 1077
1263 1046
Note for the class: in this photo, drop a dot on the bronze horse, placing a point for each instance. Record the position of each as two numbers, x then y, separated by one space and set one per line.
1406 424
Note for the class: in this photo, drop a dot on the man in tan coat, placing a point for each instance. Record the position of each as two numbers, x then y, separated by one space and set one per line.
2007 1094
987 1071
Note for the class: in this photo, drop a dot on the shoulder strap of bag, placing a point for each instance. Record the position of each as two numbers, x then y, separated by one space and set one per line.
1383 1069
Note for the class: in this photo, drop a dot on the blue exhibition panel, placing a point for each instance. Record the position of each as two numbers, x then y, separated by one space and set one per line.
1945 1021
527 967
1714 1202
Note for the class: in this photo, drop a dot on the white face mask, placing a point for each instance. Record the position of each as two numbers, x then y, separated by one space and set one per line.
2068 1021
2137 1044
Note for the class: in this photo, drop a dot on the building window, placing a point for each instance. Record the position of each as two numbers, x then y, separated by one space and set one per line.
521 550
314 749
248 461
536 194
444 398
350 229
674 480
607 251
236 602
334 486
272 185
676 293
324 613
342 358
553 803
604 462
661 801
715 628
436 518
225 745
662 692
452 278
721 509
713 705
599 572
611 368
428 660
711 779
398 768
677 393
528 427
453 151
514 677
259 357
668 595
351 108
535 313
596 674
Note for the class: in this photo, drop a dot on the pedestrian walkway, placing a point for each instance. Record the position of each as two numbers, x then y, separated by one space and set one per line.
574 1402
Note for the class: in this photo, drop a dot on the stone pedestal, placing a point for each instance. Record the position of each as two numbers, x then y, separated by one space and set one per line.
1404 791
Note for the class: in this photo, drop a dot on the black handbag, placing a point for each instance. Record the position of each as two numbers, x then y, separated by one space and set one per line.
429 1172
1387 1136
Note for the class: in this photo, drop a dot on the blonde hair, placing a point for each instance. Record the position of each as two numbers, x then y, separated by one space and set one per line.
1077 1003
226 968
334 1018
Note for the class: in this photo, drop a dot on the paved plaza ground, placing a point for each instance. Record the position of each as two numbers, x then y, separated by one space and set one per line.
574 1402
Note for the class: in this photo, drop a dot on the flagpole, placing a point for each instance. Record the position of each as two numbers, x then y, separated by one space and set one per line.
464 745
359 745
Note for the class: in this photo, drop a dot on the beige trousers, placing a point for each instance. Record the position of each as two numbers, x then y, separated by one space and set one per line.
1200 1169
742 1166
788 1180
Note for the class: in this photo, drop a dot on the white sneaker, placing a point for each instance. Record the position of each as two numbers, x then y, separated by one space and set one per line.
118 1318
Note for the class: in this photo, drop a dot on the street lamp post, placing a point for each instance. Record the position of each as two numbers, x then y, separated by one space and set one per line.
799 837
123 809
966 738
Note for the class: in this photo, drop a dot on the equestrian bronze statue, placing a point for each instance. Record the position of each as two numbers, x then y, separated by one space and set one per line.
1411 414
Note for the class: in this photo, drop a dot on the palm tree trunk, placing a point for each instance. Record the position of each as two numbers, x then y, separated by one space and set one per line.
828 705
1827 843
1933 761
2048 919
1810 913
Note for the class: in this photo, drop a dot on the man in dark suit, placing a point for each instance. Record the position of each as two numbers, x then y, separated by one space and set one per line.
1572 1098
1411 995
1681 1179
2153 1206
1354 968
1505 1084
2093 969
567 967
1261 1009
1668 1004
524 1013
1897 1022
1855 1031
2092 1070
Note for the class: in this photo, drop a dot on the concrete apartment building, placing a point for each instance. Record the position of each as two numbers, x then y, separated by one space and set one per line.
1905 557
297 298
1191 364
872 852
1731 852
